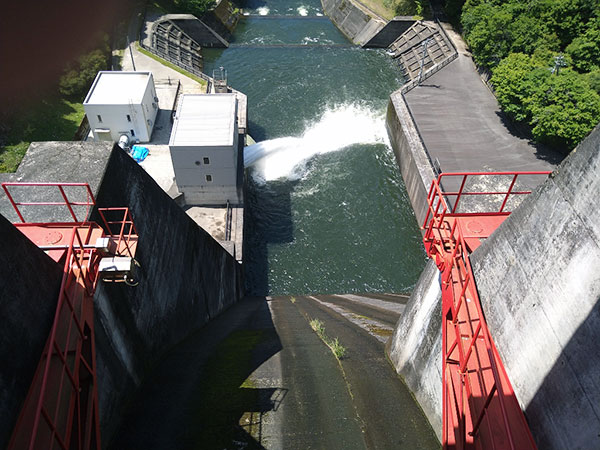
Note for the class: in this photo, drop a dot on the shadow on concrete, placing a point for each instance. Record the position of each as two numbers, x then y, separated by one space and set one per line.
201 394
570 392
521 131
267 220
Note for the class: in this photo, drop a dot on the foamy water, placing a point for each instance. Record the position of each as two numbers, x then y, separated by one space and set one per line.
338 128
302 10
263 11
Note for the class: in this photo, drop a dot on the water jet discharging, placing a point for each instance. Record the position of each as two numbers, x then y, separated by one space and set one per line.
338 128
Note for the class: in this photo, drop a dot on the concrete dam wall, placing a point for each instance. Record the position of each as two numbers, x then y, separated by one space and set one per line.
356 22
539 285
186 279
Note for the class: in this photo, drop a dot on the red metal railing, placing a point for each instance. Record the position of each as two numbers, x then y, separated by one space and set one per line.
480 409
61 408
90 201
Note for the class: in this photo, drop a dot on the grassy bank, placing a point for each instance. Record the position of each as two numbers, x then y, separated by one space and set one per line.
53 119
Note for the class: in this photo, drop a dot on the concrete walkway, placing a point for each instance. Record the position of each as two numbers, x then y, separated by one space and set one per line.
462 126
259 377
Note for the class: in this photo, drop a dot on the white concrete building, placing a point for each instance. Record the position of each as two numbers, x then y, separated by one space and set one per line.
204 149
121 103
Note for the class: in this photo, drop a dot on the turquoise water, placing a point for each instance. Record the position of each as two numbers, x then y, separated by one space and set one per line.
326 208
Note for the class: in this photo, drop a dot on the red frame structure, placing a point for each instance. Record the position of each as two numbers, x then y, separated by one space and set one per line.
61 407
480 409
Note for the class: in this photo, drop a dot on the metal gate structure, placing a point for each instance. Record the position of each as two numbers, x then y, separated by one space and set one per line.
479 407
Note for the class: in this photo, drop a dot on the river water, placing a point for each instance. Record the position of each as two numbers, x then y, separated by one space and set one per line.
326 207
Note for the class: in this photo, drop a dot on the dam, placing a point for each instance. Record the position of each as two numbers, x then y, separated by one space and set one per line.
187 361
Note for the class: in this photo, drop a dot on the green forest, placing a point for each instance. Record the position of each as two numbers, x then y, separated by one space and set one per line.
544 57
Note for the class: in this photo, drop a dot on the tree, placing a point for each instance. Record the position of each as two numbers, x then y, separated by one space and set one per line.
564 110
516 80
584 50
79 76
487 31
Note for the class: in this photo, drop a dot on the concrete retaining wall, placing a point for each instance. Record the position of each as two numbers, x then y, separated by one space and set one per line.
29 288
415 348
538 277
186 278
415 166
357 23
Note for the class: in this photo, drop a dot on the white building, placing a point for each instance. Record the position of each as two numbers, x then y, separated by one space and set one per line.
204 149
122 103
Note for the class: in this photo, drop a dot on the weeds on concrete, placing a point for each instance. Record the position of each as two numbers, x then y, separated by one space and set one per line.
338 349
293 300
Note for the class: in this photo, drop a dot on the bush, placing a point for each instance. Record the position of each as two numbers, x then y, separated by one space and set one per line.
78 77
564 110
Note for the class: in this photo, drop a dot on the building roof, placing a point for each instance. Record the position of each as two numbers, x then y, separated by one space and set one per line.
205 120
118 88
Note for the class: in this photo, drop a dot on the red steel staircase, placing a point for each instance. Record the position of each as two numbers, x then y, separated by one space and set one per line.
61 407
480 409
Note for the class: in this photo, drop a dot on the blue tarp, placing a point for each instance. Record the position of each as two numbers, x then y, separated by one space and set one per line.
139 153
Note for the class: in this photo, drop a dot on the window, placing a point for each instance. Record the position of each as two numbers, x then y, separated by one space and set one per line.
206 160
209 178
99 118
132 132
128 118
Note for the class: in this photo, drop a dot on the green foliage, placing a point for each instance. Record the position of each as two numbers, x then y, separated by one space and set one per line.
561 108
519 40
407 7
515 81
338 349
54 119
78 77
196 7
564 110
593 79
584 50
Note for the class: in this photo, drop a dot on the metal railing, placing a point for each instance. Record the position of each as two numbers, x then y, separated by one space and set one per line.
90 201
61 408
480 409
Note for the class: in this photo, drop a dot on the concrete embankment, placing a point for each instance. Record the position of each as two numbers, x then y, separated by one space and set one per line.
354 20
185 280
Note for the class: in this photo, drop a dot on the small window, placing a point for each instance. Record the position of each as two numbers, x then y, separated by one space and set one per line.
128 118
132 132
209 178
99 118
206 160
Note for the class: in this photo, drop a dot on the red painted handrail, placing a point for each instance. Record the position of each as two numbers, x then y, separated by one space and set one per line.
480 409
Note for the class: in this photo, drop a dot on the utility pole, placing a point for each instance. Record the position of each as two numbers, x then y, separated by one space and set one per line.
424 45
559 61
131 53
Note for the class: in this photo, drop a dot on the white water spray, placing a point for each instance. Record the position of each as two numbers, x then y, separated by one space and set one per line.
338 128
